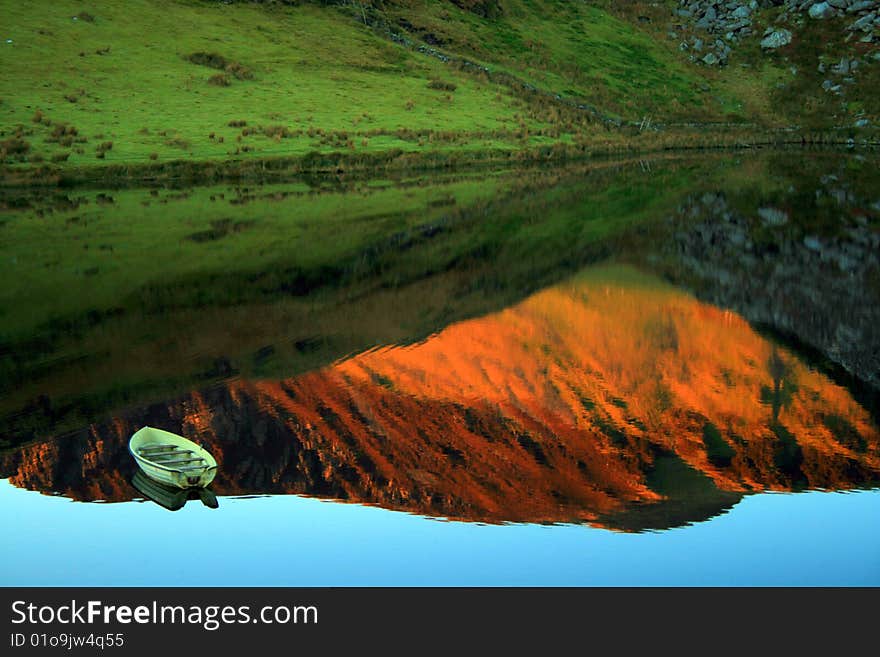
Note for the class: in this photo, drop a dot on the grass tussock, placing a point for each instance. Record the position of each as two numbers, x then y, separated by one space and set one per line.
213 60
62 130
102 149
14 148
219 80
74 96
442 85
65 135
177 142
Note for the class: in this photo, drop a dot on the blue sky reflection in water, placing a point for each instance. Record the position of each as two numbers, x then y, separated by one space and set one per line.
814 538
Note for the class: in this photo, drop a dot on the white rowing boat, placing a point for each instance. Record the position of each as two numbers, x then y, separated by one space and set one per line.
171 459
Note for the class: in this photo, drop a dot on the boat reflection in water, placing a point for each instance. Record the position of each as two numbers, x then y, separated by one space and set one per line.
612 399
171 498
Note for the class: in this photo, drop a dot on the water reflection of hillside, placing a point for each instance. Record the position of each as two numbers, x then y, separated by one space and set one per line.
611 399
805 264
314 273
142 295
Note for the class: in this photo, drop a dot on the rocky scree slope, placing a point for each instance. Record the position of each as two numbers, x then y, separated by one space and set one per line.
717 27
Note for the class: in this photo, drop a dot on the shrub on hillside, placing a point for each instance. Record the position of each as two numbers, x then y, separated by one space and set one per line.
219 62
239 71
177 142
484 8
14 148
442 85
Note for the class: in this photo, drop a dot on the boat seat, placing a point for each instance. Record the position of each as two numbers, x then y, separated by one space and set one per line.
170 456
193 468
180 461
157 449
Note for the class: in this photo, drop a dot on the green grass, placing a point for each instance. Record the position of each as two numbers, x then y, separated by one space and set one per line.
131 83
124 87
574 49
314 71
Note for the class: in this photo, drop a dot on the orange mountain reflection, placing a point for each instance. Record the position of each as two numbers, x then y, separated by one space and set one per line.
608 393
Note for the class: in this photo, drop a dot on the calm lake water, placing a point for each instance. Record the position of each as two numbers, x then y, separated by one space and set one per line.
658 372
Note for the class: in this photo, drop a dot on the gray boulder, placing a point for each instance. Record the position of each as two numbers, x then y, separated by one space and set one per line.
842 67
772 216
776 39
864 23
860 5
813 243
821 10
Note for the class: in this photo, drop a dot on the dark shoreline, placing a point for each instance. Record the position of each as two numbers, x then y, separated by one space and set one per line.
200 172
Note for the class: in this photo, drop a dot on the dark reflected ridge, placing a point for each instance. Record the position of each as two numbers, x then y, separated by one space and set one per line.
611 399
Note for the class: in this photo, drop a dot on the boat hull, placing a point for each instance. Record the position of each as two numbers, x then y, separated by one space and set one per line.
175 478
169 497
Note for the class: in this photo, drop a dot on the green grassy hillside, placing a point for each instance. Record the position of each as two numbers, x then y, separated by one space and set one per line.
573 49
302 79
136 82
128 81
